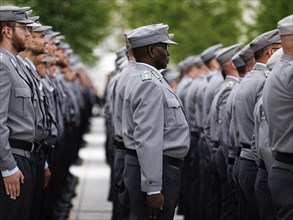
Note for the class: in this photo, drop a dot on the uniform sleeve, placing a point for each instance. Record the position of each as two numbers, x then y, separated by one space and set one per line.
7 161
148 117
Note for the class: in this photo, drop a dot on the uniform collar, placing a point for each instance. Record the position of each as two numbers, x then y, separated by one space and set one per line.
232 78
7 53
150 67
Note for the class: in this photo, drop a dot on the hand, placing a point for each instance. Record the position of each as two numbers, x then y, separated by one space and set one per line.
47 177
155 205
12 184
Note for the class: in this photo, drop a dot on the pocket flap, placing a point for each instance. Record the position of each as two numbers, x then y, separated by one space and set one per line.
173 103
22 92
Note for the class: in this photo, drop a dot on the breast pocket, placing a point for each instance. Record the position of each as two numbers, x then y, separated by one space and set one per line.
174 113
22 101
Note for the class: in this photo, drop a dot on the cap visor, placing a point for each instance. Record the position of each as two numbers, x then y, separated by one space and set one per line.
168 42
25 21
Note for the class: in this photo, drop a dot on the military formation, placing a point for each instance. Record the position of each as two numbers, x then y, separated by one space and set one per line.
214 140
46 101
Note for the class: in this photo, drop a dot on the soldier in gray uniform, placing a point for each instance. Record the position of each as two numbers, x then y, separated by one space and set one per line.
190 184
247 95
208 88
29 60
123 209
190 74
155 130
264 154
17 129
215 77
226 198
227 140
278 103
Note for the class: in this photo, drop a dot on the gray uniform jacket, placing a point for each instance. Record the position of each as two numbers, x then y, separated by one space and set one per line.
261 146
182 88
229 139
153 124
119 91
42 114
213 87
218 110
17 113
52 109
190 102
58 81
200 101
108 108
72 111
58 105
248 94
278 105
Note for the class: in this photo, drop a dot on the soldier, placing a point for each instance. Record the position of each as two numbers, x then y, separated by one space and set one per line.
207 91
216 115
123 209
277 102
151 119
228 141
28 60
17 115
246 97
190 170
191 73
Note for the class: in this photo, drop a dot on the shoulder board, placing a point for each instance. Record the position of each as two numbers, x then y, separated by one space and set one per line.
146 75
230 84
13 63
156 75
266 72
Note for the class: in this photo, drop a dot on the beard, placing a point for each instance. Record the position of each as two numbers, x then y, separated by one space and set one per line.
18 43
37 49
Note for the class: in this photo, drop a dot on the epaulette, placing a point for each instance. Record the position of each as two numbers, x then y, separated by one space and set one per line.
230 84
146 75
156 75
266 72
13 63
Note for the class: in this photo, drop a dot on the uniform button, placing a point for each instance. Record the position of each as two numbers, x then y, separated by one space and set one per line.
150 182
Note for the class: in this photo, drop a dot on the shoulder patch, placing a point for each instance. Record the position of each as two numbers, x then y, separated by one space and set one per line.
230 84
266 73
146 75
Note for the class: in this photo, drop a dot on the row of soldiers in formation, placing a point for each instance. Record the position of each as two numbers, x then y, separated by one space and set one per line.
46 100
238 105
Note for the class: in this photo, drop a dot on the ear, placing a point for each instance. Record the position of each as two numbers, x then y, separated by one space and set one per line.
151 51
7 31
233 66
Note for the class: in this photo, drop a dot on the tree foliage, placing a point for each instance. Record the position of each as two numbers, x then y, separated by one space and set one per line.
196 24
269 13
83 23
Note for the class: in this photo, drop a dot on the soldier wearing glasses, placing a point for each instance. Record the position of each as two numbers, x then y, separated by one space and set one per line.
17 115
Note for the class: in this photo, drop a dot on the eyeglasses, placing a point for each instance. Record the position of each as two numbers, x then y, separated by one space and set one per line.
23 27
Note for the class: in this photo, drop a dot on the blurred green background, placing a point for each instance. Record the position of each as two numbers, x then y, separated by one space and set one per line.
197 24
